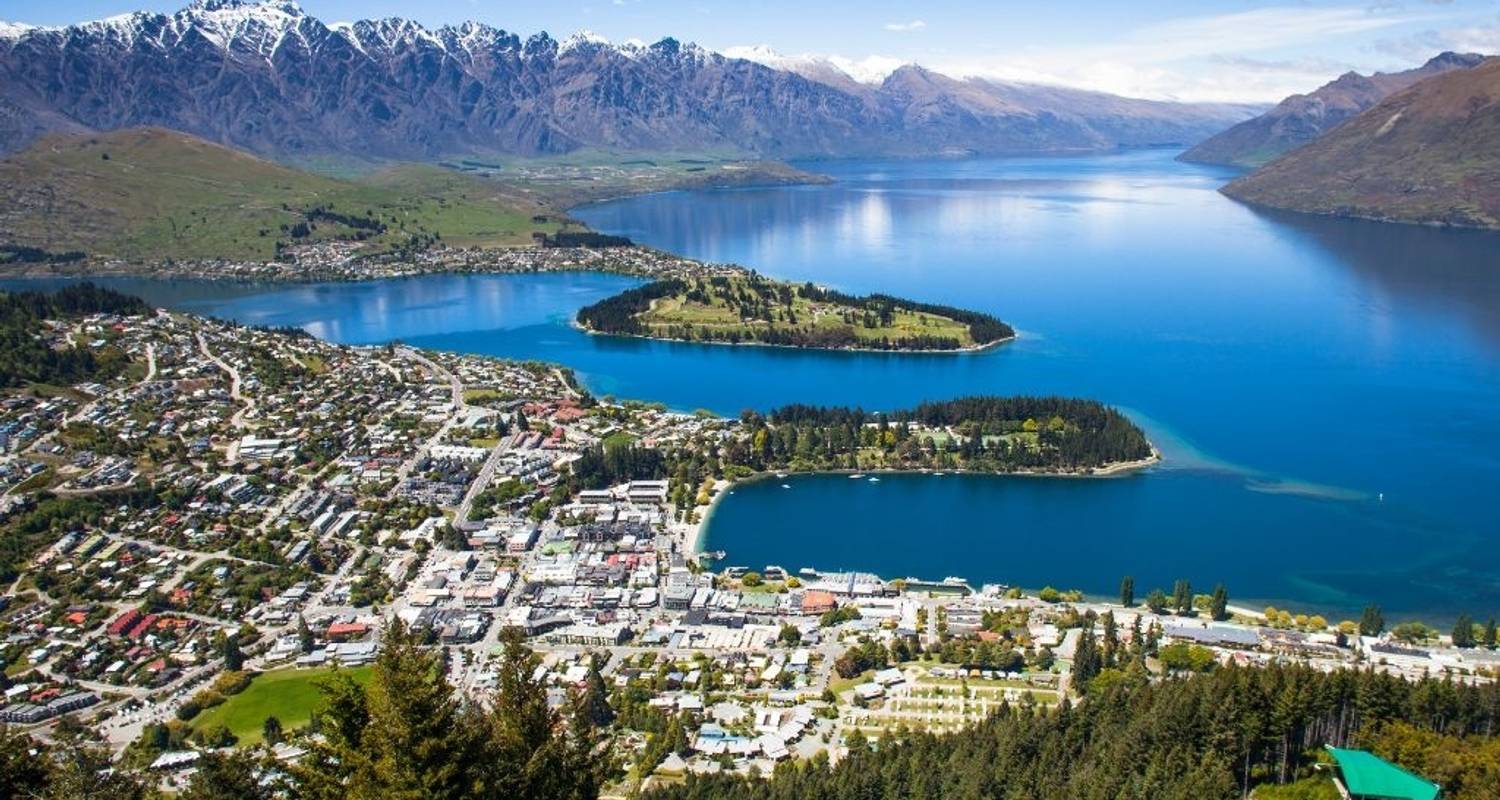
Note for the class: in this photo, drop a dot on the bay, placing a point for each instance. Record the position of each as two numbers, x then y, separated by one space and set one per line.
1327 392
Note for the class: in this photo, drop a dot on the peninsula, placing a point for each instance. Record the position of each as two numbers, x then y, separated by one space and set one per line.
1038 435
751 309
199 520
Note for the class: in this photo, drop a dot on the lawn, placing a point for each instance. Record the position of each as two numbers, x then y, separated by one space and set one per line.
290 695
618 439
721 314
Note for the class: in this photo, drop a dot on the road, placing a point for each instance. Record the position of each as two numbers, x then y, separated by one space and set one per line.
237 420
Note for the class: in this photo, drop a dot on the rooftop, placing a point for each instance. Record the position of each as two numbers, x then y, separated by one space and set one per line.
1367 775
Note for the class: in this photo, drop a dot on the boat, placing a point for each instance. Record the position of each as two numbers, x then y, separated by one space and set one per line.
856 476
785 486
874 479
937 474
781 474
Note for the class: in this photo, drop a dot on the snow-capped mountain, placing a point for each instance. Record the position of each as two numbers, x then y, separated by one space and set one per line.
268 77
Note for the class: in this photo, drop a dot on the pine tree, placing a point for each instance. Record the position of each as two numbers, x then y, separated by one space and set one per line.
1127 591
304 635
220 775
1086 660
1111 640
1371 622
1463 631
595 699
1489 634
1219 608
234 659
1182 597
24 766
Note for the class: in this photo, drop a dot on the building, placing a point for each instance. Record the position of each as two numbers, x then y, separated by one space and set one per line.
817 602
1365 776
609 635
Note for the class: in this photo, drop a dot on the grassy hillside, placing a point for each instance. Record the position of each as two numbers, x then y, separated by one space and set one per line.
1429 154
156 194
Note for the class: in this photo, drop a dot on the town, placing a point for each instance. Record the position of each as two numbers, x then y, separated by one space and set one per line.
194 539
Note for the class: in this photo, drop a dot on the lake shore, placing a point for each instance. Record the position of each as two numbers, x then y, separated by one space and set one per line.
693 541
970 349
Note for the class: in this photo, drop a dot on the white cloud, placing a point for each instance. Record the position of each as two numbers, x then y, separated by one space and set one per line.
1260 55
1213 58
903 27
1481 37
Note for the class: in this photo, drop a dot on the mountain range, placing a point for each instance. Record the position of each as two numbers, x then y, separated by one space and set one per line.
269 78
1301 118
1427 154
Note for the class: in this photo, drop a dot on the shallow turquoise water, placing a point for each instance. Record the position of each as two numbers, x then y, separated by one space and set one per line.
1327 392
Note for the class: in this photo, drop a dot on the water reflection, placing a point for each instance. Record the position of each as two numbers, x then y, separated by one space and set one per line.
1441 270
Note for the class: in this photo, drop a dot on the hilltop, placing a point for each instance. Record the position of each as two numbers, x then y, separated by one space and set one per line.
154 194
1302 118
1429 154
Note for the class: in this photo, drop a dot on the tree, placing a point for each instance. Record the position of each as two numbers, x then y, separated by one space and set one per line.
1219 605
1489 634
1049 595
271 730
82 770
401 735
1086 659
1463 631
789 636
304 635
1182 597
24 768
234 659
595 699
232 774
1156 601
751 579
1371 622
1414 632
1127 591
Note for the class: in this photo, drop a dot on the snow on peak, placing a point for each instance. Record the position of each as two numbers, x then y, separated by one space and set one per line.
759 53
582 39
14 30
282 6
869 70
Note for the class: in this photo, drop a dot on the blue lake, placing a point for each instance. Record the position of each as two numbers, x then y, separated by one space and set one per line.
1327 392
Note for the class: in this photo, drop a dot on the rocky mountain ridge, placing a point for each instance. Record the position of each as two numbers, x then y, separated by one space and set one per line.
267 77
1302 118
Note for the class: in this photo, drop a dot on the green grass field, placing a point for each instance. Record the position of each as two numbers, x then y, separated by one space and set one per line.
721 314
290 695
153 194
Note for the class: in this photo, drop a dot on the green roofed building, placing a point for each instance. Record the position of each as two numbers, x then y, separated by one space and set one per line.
1366 776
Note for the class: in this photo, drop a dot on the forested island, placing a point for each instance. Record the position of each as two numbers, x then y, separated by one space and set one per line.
980 434
753 309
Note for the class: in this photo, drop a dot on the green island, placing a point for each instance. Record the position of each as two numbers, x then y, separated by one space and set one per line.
752 309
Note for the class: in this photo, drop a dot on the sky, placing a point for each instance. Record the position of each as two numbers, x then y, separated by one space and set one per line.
1192 50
